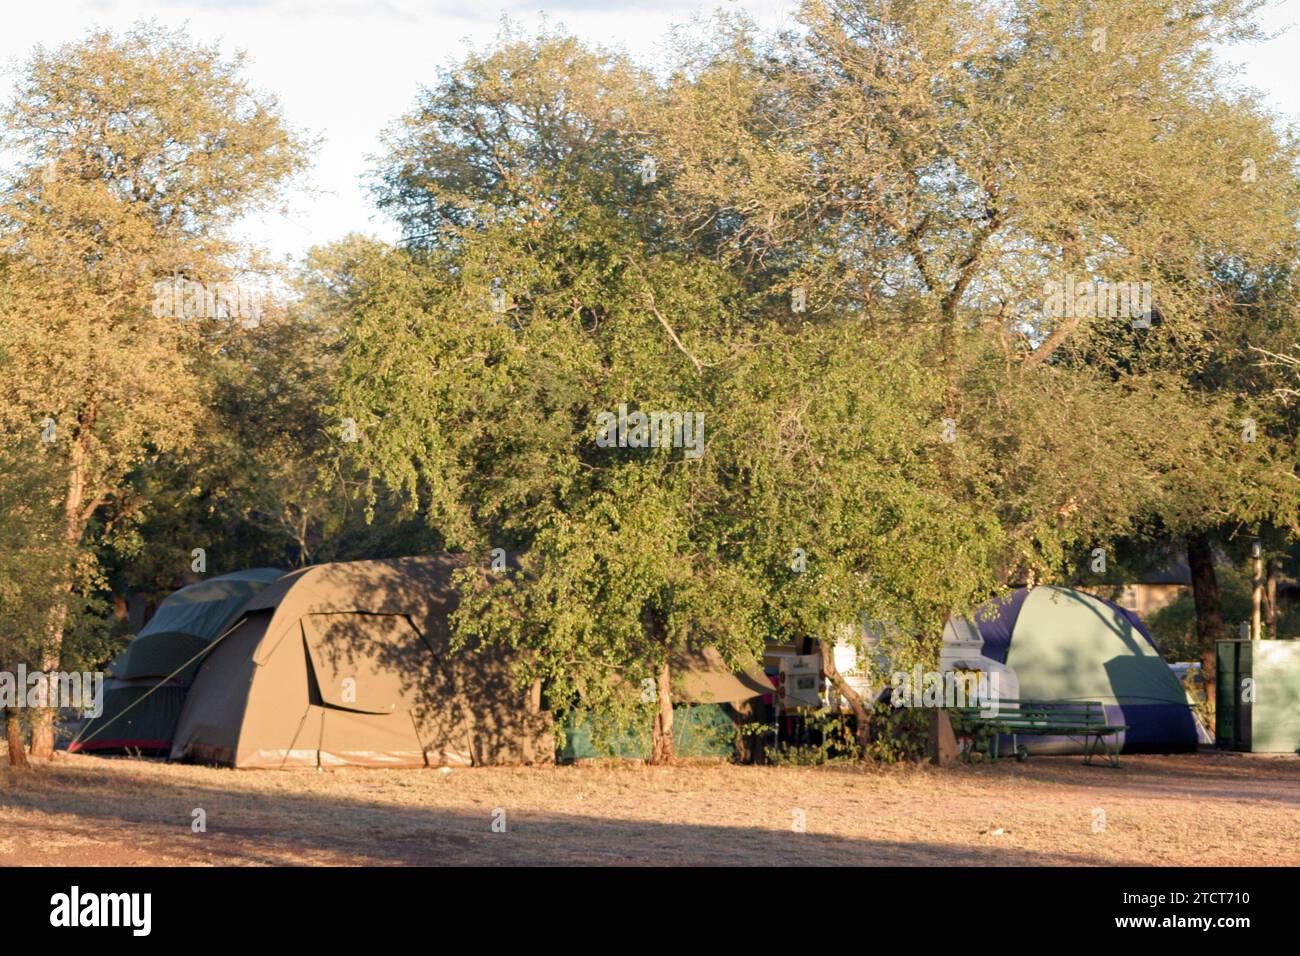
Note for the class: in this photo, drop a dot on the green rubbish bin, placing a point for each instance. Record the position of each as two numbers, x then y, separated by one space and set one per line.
1257 696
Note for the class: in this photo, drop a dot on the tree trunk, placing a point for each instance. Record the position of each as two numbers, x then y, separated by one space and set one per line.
1205 594
43 733
14 738
861 716
662 751
533 719
1257 595
942 744
74 528
43 717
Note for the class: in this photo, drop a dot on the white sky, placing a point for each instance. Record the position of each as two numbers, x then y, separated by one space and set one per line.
343 69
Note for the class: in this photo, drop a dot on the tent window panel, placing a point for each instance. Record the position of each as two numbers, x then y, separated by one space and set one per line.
369 663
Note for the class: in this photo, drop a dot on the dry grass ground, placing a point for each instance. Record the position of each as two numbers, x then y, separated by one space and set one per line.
1207 808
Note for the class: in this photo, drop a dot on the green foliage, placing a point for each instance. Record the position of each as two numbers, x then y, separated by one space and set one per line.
897 735
923 434
544 283
32 551
133 156
837 743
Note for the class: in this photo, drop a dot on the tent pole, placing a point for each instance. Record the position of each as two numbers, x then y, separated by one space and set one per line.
145 696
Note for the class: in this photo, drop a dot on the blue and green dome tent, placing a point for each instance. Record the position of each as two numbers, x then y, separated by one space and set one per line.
147 682
1065 644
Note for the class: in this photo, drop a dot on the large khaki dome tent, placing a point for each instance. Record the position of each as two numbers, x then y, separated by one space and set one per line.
348 663
148 681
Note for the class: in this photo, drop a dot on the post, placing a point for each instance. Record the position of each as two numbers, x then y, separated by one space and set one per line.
1270 595
1256 591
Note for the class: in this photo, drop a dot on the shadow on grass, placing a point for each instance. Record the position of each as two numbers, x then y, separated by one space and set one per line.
1202 776
278 827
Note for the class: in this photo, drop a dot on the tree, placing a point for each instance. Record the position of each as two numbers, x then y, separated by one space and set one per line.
32 556
549 286
534 298
138 152
942 164
920 426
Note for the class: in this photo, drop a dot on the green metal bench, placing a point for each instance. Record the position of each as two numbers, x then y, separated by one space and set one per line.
1038 718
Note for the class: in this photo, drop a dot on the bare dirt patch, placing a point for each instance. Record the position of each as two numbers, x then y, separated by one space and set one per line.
1208 809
